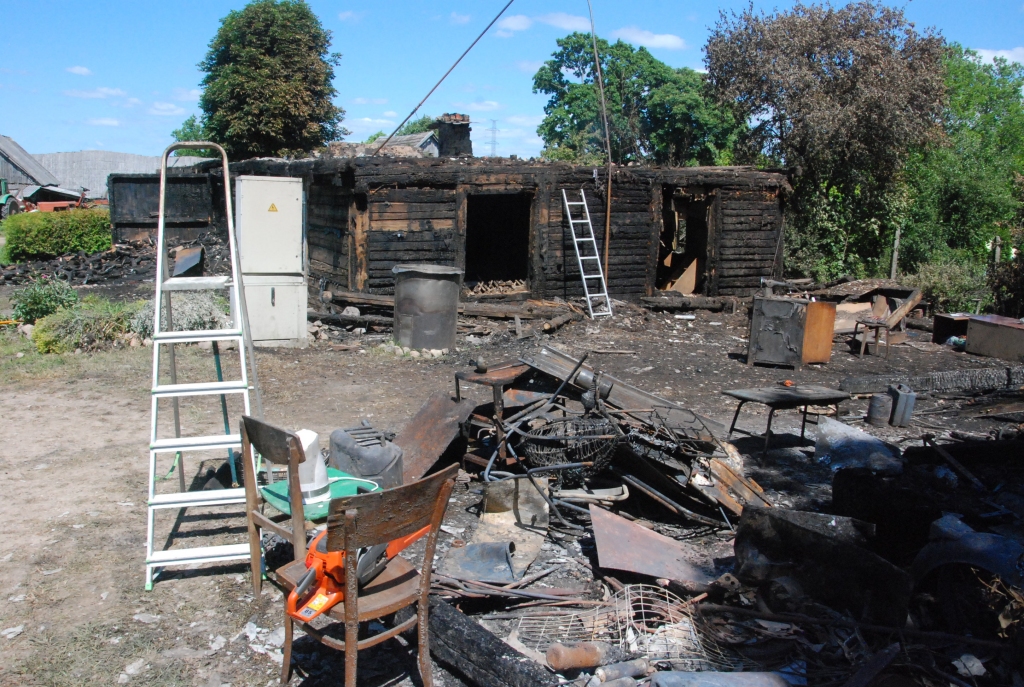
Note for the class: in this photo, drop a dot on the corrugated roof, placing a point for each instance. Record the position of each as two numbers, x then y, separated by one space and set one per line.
415 140
20 158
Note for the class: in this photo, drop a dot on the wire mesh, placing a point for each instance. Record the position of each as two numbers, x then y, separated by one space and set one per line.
572 440
641 619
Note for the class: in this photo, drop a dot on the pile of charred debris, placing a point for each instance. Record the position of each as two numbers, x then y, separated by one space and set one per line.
130 261
617 541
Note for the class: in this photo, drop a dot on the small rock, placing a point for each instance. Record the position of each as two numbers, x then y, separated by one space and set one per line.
147 342
135 668
147 618
206 345
437 353
351 310
359 331
27 330
123 679
78 351
135 343
20 355
12 632
412 354
444 351
406 350
218 643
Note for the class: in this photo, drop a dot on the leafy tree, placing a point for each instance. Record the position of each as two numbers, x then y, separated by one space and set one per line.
843 96
192 130
416 126
268 87
655 113
374 137
963 188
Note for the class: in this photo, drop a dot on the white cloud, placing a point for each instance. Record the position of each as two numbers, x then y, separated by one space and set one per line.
166 109
525 120
351 16
390 113
81 71
516 22
371 120
101 92
104 121
457 18
370 101
649 39
1013 54
568 22
187 95
132 102
481 105
529 66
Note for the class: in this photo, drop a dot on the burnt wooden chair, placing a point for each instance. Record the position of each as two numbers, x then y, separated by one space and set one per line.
363 521
885 323
279 447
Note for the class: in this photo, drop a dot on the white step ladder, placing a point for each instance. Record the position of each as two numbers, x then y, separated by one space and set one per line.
164 334
588 257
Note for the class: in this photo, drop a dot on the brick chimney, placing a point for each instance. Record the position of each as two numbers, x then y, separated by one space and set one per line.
453 135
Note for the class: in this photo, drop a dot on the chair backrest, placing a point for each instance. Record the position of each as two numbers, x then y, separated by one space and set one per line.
281 447
277 445
380 516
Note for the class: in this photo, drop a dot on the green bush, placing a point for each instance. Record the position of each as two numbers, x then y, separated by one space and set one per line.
953 284
92 322
33 235
42 298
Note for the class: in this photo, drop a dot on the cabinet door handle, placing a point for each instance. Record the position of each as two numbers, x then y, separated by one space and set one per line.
272 297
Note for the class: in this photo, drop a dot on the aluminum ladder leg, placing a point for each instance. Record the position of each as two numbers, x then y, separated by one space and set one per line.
588 257
164 334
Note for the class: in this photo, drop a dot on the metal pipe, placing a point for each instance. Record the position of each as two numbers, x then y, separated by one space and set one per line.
667 502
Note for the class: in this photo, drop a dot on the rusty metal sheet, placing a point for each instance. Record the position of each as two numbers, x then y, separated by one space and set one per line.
430 432
515 398
624 545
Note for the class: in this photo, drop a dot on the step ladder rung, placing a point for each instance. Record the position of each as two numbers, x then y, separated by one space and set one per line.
198 335
195 283
210 497
200 389
204 443
199 554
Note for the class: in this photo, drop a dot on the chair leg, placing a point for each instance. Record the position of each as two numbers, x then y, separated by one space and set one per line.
864 342
351 653
286 665
423 634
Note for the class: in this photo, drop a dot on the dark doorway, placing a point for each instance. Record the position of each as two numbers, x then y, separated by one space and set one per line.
683 246
497 237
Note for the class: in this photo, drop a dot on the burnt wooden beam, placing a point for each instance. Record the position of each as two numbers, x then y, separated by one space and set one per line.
475 653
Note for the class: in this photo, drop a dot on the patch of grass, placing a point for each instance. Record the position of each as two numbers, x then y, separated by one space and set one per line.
192 311
87 656
94 322
43 297
32 235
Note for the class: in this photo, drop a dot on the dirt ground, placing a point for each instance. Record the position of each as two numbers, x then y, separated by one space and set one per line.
73 471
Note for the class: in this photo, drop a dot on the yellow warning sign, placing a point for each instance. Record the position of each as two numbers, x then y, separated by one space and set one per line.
273 208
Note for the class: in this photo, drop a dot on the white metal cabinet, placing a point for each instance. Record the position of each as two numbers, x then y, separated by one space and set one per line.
277 310
268 213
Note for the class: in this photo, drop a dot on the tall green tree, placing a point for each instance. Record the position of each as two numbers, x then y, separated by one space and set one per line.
416 126
268 89
842 96
655 113
192 130
963 188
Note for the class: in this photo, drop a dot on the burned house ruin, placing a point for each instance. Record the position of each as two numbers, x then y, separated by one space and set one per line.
498 219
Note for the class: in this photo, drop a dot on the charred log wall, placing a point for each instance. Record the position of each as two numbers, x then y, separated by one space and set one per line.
365 215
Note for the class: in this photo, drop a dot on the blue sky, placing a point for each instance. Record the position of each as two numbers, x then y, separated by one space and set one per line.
121 75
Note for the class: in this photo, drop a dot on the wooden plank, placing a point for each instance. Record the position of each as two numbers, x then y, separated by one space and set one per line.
412 224
411 195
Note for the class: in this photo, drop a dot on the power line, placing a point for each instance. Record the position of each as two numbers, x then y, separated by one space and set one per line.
494 137
450 69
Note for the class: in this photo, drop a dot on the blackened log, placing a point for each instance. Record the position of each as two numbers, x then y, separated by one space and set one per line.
345 320
668 302
475 653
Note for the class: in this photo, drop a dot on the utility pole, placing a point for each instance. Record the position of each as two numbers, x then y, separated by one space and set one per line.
494 137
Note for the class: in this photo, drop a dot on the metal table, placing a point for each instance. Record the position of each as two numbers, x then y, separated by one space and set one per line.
785 398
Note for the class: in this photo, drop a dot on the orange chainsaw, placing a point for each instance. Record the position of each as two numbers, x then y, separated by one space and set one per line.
327 570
